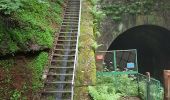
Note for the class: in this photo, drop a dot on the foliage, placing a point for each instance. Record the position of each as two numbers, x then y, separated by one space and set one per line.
98 15
127 86
16 95
156 92
6 64
95 45
122 83
33 23
114 87
93 2
8 6
37 67
118 9
103 93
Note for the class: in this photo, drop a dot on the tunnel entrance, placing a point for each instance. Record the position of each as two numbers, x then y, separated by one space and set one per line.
153 47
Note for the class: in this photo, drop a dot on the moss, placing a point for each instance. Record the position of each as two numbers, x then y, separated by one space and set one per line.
37 67
86 70
33 24
6 64
81 93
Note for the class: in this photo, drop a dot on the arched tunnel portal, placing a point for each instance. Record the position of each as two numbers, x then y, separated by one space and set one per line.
153 47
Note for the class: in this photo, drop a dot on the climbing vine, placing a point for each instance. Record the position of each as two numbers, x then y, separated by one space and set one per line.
117 9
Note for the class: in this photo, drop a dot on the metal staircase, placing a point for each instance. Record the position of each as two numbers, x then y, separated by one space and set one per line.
59 84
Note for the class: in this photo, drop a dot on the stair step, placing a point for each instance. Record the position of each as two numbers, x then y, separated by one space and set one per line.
61 67
71 15
68 40
65 91
64 47
72 11
67 33
62 60
70 23
65 50
67 36
73 3
69 30
59 71
60 63
69 26
67 20
62 55
55 74
65 44
59 82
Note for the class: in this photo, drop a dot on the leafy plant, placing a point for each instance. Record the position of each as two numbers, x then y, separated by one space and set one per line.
16 95
118 9
94 2
31 24
129 86
8 6
95 45
37 67
103 93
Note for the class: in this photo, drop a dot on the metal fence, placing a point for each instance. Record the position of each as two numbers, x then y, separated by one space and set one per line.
133 85
119 69
117 61
149 88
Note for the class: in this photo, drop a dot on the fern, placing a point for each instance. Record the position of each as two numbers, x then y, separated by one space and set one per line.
103 93
95 45
8 6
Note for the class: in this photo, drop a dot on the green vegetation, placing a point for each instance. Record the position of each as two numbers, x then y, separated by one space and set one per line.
98 16
86 69
118 9
37 67
21 78
16 95
8 6
28 24
117 86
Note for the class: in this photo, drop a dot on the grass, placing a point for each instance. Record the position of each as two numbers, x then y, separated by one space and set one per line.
37 67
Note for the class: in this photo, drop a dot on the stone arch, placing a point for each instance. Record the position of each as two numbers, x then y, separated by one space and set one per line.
153 45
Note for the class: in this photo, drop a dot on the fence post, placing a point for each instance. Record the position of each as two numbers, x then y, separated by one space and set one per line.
148 86
167 84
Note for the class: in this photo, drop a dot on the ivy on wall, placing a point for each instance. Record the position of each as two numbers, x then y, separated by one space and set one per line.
117 9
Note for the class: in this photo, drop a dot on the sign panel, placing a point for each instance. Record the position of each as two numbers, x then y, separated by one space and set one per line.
130 65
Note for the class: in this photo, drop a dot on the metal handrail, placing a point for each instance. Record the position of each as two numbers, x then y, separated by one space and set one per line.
76 54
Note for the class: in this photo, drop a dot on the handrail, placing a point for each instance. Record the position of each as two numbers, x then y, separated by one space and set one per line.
76 54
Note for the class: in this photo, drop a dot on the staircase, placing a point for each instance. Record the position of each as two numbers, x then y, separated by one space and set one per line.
59 83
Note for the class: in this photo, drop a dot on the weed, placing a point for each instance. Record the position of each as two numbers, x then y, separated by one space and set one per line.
37 67
16 95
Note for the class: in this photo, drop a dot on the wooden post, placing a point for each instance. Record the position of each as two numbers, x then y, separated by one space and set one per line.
148 85
167 84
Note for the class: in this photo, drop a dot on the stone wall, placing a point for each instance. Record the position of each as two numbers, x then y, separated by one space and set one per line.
111 30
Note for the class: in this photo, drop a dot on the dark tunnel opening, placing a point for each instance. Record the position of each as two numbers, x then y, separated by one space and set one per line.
153 47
